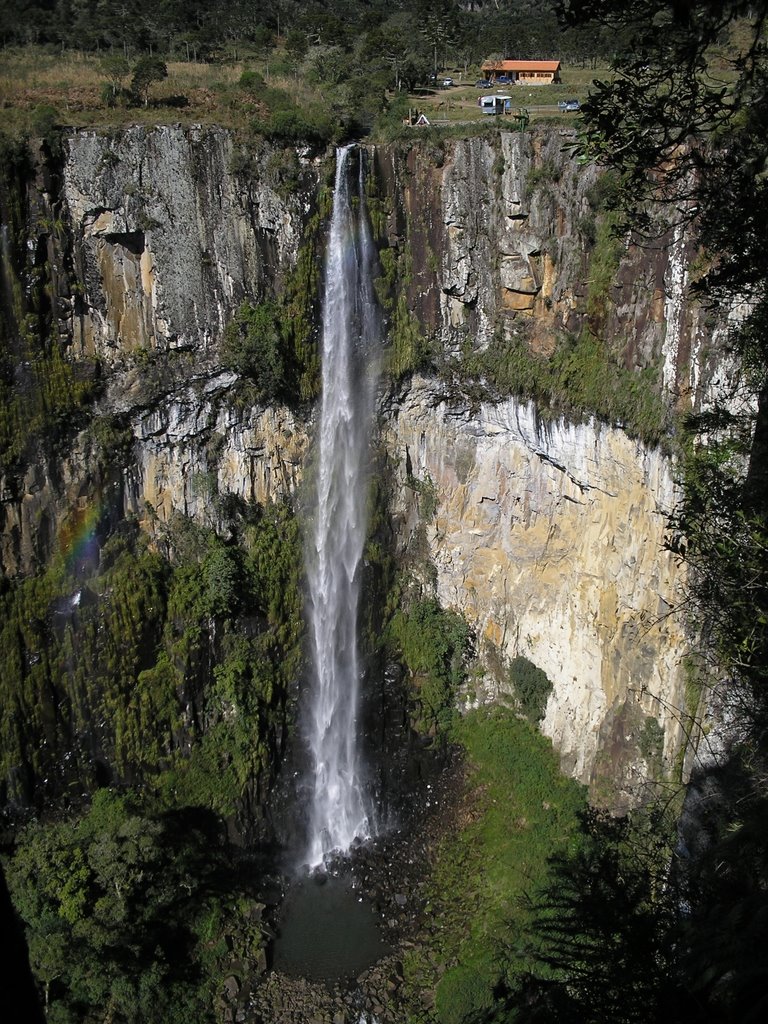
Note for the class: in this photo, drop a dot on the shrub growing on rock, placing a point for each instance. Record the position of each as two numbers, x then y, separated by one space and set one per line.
252 347
532 687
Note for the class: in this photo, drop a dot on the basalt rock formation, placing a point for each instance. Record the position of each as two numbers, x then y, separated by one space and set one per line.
546 532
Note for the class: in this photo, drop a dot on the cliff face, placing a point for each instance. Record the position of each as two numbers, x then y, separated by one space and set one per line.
549 537
168 239
547 534
505 242
157 242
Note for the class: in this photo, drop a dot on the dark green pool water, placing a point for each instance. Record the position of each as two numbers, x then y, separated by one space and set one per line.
327 932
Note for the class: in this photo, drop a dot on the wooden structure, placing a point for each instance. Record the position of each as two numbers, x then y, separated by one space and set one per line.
522 72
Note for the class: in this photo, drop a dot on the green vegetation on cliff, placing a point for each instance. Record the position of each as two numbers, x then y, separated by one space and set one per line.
273 344
172 674
434 645
125 666
518 811
44 396
581 378
253 347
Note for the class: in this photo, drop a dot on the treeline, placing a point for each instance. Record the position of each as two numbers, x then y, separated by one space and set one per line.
449 32
135 916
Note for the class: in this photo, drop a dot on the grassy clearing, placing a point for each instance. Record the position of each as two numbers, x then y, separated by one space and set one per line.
458 103
72 83
520 810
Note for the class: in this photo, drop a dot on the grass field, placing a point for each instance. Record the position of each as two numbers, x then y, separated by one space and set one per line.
72 84
460 101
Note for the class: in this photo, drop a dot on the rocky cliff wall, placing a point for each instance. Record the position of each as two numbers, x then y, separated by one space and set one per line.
163 239
151 241
549 537
548 534
506 238
169 239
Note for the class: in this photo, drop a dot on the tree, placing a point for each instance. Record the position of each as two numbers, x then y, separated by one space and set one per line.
724 933
222 581
253 346
296 46
329 64
147 72
263 39
439 23
116 68
398 46
688 85
111 904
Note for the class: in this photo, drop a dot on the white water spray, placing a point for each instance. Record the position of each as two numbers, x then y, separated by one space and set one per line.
339 810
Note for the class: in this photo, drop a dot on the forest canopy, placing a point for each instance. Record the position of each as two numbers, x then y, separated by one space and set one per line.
473 30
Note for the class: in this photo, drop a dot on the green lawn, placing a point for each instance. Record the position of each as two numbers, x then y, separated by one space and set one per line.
72 83
519 811
459 102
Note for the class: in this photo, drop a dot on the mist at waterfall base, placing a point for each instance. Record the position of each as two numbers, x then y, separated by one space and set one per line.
327 930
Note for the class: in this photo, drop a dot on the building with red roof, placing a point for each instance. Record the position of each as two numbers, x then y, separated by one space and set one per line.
523 72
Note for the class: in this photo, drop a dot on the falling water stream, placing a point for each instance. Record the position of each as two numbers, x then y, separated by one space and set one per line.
328 931
339 807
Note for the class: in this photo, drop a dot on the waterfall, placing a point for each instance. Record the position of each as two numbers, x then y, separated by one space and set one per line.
339 809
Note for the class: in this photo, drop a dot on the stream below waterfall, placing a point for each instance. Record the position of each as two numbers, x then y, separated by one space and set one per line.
340 947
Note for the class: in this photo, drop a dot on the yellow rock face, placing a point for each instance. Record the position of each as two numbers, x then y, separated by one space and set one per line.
260 460
518 301
549 538
127 283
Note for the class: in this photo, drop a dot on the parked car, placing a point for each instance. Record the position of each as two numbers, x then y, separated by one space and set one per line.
447 82
484 83
503 80
569 105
